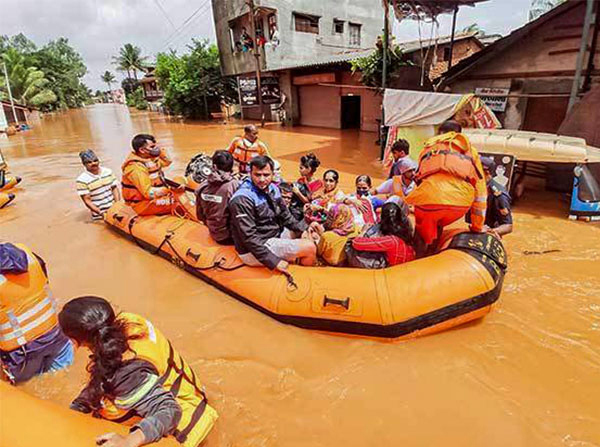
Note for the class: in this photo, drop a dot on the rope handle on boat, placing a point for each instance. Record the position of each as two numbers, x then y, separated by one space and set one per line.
291 283
345 303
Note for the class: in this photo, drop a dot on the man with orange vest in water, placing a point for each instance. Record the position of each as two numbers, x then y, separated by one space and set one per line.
450 183
144 187
246 147
31 341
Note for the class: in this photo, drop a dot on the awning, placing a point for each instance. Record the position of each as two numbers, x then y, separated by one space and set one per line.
419 9
414 108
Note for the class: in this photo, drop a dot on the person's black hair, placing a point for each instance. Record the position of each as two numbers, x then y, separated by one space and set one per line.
450 126
261 162
286 187
249 128
363 178
395 221
139 141
223 160
91 320
401 146
336 175
310 161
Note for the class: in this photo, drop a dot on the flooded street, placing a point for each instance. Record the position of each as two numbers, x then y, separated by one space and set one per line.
526 375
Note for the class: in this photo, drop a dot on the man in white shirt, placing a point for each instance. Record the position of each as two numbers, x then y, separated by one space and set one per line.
97 186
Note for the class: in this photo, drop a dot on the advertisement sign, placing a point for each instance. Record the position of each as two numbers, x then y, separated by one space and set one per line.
505 165
495 98
271 94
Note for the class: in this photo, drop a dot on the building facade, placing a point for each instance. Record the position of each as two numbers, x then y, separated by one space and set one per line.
292 39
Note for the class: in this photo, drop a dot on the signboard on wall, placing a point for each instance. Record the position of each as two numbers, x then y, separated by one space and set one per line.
495 98
269 85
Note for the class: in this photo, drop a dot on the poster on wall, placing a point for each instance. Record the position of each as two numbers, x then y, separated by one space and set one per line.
248 91
503 172
495 98
271 94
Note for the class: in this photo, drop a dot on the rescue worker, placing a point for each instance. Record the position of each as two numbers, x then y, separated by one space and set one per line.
450 183
401 185
31 341
137 378
143 184
246 147
498 217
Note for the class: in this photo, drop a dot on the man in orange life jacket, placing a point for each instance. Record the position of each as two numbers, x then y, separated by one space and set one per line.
246 147
143 183
450 183
31 342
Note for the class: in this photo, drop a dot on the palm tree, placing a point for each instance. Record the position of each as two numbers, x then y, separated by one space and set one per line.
28 84
109 78
130 59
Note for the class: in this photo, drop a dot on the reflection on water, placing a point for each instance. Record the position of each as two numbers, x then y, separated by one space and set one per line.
527 375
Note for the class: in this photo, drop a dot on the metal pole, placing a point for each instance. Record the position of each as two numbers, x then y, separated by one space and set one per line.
590 68
250 4
386 34
582 50
240 97
12 103
452 37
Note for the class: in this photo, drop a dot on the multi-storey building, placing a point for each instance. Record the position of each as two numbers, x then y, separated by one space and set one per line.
296 39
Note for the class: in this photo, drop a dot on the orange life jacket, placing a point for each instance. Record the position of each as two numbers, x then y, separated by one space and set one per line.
243 151
27 308
449 153
153 168
175 375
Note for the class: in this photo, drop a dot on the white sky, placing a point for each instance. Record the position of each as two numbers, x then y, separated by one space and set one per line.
97 28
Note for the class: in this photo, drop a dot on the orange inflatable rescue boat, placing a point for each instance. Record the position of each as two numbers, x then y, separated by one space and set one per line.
31 422
457 285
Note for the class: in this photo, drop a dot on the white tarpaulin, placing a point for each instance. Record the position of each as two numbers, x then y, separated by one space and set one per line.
412 108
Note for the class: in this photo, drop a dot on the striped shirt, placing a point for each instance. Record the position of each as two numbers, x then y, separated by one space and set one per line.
99 188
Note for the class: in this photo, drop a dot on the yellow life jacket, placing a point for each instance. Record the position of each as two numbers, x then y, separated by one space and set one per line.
27 308
152 166
450 153
175 375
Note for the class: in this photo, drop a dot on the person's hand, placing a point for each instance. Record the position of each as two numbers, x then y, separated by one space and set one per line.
316 227
358 204
282 266
296 190
476 230
373 192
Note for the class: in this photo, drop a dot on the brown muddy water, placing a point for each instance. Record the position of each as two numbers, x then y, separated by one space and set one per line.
526 375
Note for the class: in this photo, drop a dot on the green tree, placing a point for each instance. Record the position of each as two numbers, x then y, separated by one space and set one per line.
109 78
193 81
136 99
371 66
130 60
27 83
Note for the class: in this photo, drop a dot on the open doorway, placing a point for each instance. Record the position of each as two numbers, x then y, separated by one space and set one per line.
350 112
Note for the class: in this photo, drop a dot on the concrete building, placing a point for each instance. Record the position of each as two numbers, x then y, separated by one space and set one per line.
302 46
531 71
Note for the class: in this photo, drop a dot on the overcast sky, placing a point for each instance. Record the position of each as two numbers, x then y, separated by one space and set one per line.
97 28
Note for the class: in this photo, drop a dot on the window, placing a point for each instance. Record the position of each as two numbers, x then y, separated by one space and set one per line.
338 26
305 23
446 54
354 34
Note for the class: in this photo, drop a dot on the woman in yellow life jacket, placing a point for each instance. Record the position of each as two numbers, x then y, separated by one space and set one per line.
137 378
450 184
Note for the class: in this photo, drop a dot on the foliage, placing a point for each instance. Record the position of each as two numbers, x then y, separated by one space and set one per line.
371 66
137 100
109 78
55 70
130 59
129 85
194 80
28 84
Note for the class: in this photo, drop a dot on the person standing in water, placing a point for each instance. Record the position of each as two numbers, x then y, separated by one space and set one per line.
97 186
31 342
246 147
137 378
144 188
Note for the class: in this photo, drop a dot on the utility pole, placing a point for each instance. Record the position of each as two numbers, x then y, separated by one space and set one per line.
12 103
583 49
250 4
385 41
452 37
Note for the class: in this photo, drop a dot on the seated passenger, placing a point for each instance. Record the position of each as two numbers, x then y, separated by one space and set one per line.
401 185
323 200
400 151
97 186
339 228
246 147
213 195
396 240
136 377
306 186
363 203
143 184
287 194
259 217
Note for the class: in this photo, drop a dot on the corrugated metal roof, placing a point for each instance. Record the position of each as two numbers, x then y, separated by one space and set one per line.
413 9
415 45
346 56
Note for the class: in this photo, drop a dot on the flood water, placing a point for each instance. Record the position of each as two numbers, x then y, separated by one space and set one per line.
526 375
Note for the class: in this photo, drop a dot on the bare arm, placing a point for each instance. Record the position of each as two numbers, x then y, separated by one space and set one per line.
87 200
